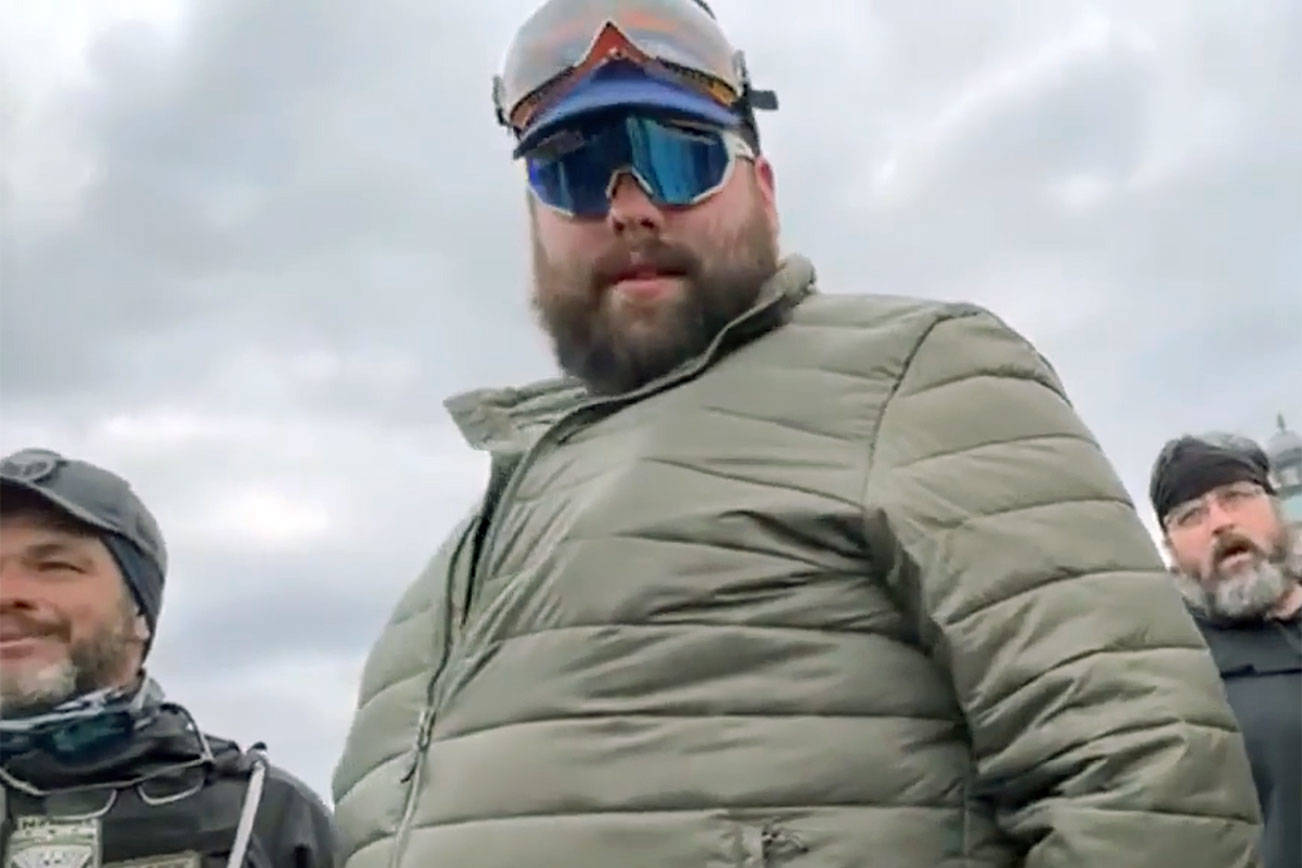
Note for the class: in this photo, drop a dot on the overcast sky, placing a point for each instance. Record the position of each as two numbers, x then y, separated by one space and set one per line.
248 247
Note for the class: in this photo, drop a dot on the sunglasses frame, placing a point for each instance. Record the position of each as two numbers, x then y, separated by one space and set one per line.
735 146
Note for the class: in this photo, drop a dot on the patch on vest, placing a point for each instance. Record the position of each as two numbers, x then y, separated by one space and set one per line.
43 842
189 859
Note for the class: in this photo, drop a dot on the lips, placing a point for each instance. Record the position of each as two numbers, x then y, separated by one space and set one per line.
18 629
1231 552
644 273
642 262
15 636
1233 549
20 640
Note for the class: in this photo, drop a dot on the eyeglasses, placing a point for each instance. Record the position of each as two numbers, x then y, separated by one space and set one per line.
1230 498
575 171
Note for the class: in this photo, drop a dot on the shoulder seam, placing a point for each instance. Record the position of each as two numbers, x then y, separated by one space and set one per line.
963 311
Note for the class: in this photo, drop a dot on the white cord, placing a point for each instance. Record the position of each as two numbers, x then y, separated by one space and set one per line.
252 798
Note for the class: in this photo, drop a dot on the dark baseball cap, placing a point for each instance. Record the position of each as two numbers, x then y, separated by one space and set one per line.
104 501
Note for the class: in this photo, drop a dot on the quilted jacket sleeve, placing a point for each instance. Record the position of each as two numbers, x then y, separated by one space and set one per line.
1098 723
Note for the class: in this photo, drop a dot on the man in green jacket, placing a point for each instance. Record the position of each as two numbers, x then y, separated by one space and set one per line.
771 577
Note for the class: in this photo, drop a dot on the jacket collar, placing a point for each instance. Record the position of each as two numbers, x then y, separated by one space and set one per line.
505 420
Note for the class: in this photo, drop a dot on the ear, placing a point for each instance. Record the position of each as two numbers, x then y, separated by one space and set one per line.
766 183
140 628
1169 551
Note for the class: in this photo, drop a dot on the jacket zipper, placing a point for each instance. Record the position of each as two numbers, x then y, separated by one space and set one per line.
415 774
507 495
517 473
768 845
414 778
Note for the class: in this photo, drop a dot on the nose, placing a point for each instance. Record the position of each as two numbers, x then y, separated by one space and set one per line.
17 571
16 587
631 209
14 583
1218 518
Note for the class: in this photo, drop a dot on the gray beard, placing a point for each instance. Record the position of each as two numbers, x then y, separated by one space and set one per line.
1250 592
89 666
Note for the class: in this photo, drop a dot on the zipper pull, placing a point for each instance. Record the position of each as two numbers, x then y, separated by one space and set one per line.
423 729
426 728
778 843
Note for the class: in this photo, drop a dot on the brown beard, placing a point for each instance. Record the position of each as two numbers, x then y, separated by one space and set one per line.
577 308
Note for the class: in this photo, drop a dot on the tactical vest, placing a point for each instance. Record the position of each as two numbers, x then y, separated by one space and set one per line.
1261 665
202 818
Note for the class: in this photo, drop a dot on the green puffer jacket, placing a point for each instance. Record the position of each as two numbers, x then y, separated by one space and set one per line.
855 587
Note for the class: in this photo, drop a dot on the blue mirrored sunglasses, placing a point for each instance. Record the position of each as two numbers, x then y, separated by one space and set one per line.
575 170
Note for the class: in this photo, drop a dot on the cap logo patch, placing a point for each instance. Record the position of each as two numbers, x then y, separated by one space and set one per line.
30 466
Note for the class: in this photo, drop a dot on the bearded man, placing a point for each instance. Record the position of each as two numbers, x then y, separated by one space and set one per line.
772 577
97 767
1238 563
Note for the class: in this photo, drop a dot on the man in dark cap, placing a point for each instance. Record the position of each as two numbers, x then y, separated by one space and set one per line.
97 767
1239 565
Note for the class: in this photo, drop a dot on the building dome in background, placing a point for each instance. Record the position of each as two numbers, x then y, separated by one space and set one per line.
1285 452
1284 446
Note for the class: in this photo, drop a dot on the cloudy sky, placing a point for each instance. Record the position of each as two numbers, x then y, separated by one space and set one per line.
248 247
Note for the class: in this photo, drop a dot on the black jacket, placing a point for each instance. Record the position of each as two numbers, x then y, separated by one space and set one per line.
191 812
1261 665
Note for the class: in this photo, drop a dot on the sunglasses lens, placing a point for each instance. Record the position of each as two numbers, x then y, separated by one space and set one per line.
575 181
677 165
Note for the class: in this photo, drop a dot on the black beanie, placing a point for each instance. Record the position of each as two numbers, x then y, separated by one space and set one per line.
1192 465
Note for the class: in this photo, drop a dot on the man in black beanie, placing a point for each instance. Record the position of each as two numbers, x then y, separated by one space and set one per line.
97 767
1238 564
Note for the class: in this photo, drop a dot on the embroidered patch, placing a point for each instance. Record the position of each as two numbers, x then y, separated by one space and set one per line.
188 859
43 842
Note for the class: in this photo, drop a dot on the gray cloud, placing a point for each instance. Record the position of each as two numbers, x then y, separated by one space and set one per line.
248 254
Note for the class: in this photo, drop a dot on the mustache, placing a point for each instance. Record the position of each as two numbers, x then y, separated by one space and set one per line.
657 255
19 624
1232 543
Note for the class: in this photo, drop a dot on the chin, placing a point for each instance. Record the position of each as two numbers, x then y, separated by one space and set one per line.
37 685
